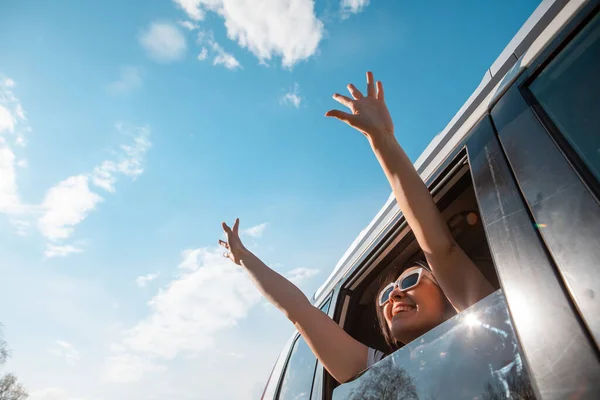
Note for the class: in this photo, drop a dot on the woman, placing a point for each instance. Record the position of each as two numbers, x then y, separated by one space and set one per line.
415 302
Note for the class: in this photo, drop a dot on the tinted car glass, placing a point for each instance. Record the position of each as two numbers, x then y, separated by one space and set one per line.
474 355
568 90
298 378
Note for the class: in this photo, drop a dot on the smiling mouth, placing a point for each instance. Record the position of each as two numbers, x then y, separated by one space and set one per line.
400 309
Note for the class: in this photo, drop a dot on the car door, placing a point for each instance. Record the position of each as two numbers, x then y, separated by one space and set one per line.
524 341
549 127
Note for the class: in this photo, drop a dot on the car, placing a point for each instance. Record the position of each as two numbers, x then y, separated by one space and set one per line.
516 173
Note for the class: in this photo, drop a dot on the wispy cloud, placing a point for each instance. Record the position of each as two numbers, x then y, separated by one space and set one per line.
203 54
255 231
66 205
189 25
163 42
67 351
129 162
7 121
353 7
53 250
292 98
210 294
301 275
130 79
143 280
127 367
225 59
70 201
220 56
287 28
13 128
53 393
9 197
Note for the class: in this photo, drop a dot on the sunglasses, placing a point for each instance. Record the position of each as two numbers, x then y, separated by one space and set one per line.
404 282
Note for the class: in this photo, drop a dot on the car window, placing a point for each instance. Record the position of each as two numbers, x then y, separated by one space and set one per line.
474 355
298 376
568 91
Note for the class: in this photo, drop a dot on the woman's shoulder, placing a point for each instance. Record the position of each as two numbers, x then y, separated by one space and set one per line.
374 356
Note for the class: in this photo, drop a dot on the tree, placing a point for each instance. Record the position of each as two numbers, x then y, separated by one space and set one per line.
385 381
517 385
10 388
4 352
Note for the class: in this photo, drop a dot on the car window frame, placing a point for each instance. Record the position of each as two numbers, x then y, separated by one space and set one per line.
562 187
324 306
527 273
554 48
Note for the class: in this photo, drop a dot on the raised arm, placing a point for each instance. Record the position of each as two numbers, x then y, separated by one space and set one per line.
459 278
342 355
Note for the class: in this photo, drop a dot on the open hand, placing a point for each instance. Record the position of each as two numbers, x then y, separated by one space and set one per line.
234 246
369 114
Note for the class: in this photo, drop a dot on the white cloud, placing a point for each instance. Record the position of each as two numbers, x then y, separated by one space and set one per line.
53 250
189 25
141 281
210 294
20 140
70 201
292 98
353 7
9 198
129 162
66 205
192 8
224 58
7 121
13 125
221 57
22 227
163 42
203 54
67 351
11 111
255 231
300 275
130 368
285 28
52 393
130 79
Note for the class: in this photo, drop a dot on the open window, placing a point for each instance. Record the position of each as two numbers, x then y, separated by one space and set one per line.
455 196
480 338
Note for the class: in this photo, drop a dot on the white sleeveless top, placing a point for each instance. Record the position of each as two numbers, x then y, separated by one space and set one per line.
373 356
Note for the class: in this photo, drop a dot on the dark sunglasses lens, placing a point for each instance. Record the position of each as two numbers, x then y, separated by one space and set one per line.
409 281
385 295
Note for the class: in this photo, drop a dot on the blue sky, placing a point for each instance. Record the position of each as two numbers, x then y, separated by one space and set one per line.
130 130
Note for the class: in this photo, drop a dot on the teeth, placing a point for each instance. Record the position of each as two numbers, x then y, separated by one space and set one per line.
404 308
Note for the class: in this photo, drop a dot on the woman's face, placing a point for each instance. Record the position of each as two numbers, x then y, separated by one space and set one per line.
411 313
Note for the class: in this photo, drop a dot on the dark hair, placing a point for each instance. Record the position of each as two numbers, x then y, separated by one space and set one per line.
392 343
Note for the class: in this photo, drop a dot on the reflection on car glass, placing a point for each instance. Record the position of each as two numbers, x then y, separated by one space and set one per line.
473 355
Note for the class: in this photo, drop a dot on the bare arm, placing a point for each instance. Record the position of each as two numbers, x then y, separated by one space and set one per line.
342 355
459 277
